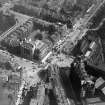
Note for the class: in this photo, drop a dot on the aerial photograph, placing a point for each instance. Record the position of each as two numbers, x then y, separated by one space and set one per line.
52 52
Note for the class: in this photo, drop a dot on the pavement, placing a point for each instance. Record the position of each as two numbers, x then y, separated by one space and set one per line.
61 60
30 69
20 17
29 72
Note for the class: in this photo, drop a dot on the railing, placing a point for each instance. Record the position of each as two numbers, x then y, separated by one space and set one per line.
7 32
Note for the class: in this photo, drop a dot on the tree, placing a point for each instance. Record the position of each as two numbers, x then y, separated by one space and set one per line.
51 29
8 66
38 36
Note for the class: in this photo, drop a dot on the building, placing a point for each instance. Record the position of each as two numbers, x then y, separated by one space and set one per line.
27 49
43 47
